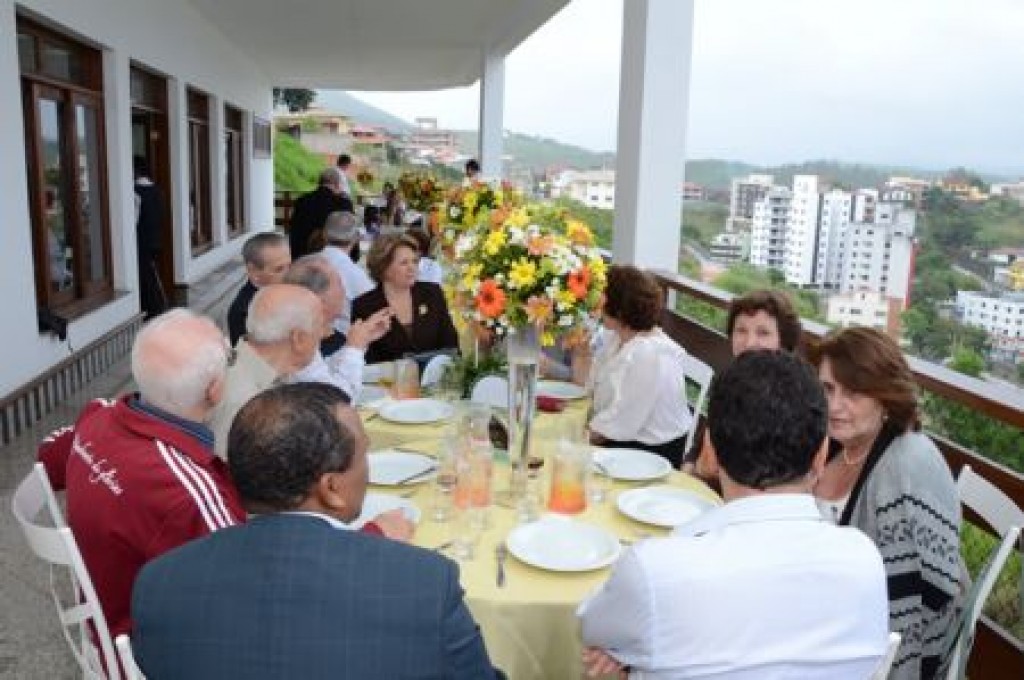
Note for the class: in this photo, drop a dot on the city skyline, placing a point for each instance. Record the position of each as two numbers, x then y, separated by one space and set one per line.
919 83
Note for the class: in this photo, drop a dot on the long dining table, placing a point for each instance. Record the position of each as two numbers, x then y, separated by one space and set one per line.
529 623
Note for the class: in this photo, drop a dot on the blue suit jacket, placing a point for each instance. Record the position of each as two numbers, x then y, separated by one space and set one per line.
290 596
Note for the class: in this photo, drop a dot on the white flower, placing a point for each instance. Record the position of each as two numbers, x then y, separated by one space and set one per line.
565 320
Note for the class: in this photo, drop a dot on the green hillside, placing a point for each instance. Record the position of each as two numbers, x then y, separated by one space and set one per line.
538 153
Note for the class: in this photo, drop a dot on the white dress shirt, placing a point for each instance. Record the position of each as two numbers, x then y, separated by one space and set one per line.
761 588
640 389
430 271
354 278
344 370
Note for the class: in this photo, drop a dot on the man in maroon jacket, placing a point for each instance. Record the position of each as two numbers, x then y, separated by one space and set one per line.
140 473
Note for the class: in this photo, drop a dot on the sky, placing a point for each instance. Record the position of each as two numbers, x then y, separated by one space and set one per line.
921 83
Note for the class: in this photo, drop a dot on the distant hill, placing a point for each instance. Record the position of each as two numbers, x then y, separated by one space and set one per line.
538 153
359 111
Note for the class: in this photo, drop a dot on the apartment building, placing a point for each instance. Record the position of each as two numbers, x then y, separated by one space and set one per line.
1001 316
801 242
768 229
746 193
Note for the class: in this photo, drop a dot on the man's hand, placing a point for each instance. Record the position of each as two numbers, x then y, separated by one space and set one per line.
395 525
599 662
361 333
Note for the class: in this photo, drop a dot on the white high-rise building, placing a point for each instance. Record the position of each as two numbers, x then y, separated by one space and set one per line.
879 254
768 229
836 211
1002 317
801 240
746 193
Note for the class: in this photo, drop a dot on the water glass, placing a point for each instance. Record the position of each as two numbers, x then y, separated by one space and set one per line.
466 531
569 478
445 482
407 379
598 483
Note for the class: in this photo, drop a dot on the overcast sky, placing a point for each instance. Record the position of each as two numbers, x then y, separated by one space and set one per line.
928 83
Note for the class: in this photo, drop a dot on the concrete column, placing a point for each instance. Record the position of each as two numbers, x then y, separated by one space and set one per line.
492 112
654 90
178 192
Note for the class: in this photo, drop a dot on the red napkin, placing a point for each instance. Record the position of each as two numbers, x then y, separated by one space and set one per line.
550 404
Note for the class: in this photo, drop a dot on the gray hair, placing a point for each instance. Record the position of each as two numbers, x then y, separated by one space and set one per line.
176 357
330 176
267 323
252 251
311 272
341 227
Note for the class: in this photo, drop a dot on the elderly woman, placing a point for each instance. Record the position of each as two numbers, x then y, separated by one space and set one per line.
891 482
420 321
638 378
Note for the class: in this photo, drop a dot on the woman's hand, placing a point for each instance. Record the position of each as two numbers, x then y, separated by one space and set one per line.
598 662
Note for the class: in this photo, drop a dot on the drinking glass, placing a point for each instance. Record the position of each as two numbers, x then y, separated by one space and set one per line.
407 379
569 478
445 481
598 483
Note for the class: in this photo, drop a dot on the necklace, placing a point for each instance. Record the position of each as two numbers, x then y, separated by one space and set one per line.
854 461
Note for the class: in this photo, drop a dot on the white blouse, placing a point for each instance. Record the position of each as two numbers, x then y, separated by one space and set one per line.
640 389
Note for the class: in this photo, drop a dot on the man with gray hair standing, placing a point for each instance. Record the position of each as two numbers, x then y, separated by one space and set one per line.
342 233
140 473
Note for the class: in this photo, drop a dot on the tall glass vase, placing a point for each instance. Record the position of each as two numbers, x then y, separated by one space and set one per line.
523 353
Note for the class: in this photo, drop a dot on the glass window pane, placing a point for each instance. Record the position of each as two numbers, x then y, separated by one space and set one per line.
61 63
55 195
89 192
27 53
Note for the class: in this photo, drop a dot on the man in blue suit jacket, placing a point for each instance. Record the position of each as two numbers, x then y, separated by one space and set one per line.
293 593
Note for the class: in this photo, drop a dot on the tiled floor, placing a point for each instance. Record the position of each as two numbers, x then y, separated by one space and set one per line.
31 645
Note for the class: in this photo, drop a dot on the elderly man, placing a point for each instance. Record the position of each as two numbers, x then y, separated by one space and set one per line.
311 210
344 368
760 587
293 593
266 256
342 234
141 477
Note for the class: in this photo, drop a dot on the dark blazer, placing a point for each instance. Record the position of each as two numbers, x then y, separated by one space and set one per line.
290 596
432 327
310 213
238 312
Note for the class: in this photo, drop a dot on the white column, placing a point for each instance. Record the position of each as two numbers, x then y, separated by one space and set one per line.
178 192
492 111
654 91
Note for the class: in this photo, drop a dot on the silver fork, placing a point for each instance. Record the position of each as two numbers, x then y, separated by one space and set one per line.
501 554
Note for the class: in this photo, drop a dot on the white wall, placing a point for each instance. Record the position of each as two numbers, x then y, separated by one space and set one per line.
168 37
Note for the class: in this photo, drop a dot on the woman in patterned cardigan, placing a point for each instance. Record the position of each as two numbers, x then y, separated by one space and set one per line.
890 481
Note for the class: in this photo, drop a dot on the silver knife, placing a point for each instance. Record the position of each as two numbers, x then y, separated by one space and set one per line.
412 478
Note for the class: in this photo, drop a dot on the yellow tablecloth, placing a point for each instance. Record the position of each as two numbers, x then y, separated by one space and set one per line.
530 625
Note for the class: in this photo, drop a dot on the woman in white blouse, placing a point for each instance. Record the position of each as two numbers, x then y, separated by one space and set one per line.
638 379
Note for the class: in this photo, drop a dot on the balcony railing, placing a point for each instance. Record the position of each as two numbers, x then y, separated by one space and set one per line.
996 653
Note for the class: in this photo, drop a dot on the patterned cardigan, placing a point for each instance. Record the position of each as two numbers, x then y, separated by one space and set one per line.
908 505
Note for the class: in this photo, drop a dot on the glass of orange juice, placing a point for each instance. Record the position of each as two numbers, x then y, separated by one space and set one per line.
407 379
569 478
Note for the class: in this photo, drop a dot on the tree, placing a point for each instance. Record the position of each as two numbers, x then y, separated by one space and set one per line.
295 99
967 361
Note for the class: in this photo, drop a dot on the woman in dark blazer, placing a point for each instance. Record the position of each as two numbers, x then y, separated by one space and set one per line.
420 321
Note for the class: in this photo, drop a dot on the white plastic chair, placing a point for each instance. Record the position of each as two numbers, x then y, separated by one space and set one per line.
1003 515
124 651
491 390
75 598
434 370
701 374
882 670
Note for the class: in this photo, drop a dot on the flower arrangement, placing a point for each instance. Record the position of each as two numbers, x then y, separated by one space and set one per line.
422 191
532 264
477 203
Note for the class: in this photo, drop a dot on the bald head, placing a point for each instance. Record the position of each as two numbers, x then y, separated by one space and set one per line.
279 310
178 361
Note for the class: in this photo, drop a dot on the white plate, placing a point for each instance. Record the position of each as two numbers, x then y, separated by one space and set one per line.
663 506
389 468
632 465
372 396
416 411
376 503
563 544
560 390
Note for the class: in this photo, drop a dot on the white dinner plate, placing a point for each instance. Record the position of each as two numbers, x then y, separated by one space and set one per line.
389 468
560 389
663 506
376 503
416 411
372 396
563 544
631 465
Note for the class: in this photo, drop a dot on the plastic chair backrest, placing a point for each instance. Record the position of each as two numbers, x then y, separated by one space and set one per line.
491 390
434 370
1003 515
75 598
124 652
701 374
882 669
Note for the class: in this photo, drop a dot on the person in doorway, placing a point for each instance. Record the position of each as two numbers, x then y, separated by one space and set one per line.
149 217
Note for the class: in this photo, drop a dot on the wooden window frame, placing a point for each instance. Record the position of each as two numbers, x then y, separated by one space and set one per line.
234 189
84 294
200 219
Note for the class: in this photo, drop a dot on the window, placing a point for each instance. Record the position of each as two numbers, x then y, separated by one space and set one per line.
199 218
234 182
65 154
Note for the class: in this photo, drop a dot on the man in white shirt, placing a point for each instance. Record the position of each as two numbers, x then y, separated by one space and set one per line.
761 587
342 232
344 369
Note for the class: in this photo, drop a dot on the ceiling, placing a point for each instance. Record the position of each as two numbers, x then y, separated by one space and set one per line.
375 44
